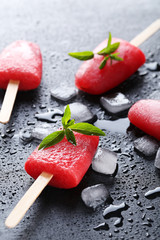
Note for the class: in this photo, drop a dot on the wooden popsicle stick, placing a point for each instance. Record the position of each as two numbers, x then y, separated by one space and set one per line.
8 101
28 199
41 182
148 32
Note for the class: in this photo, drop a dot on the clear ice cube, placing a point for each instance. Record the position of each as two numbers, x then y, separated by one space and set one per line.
146 145
42 131
105 161
64 93
115 103
80 112
95 195
157 159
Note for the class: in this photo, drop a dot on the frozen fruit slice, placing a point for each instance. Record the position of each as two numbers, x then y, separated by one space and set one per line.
21 61
145 114
93 80
67 163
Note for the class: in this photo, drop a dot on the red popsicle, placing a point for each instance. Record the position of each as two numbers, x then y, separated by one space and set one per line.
67 163
62 165
89 78
145 114
93 80
20 69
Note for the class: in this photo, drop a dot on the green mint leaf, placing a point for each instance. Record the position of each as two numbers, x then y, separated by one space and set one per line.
52 139
82 55
87 129
109 40
103 63
114 47
67 115
108 50
114 56
104 51
70 136
71 122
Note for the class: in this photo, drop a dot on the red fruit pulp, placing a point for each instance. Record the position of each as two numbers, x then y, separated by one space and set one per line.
145 114
21 61
68 163
89 78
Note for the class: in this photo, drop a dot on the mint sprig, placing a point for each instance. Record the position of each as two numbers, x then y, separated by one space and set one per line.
82 55
69 127
107 52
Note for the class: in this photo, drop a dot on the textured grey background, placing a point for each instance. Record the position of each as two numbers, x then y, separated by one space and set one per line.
60 26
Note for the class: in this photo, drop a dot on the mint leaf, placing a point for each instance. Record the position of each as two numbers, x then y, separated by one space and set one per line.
104 51
52 139
69 127
82 55
103 63
71 122
67 115
114 47
87 129
114 56
70 136
108 50
109 39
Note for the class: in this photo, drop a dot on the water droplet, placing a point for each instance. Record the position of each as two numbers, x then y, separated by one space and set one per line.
153 193
114 210
101 226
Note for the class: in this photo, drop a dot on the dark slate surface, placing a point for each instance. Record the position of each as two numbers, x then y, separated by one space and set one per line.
59 27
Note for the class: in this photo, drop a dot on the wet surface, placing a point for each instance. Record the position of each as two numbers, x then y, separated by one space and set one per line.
59 27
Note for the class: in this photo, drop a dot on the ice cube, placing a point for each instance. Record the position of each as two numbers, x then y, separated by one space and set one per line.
105 161
157 159
146 145
64 93
154 95
80 112
115 103
42 131
95 195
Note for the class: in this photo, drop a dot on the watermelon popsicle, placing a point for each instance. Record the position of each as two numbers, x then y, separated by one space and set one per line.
145 114
62 165
108 66
66 162
20 69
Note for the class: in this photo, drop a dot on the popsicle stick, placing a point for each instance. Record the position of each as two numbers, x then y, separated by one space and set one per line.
34 191
28 199
148 32
8 101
